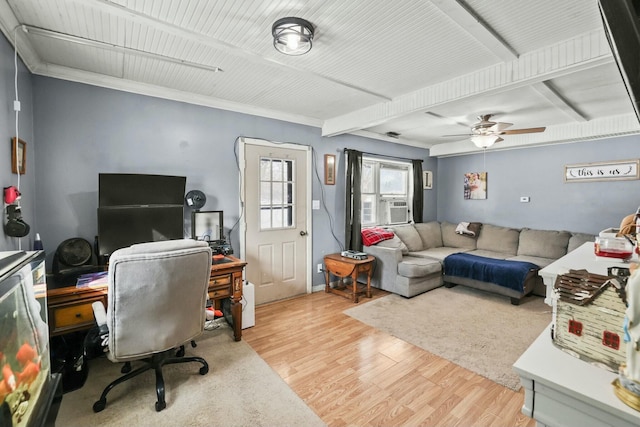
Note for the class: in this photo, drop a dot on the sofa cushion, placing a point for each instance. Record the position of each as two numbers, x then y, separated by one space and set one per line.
374 235
452 239
498 239
578 239
430 234
438 253
543 243
409 236
394 243
490 254
541 262
418 267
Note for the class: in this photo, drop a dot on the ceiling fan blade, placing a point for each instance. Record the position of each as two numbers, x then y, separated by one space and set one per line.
456 135
519 131
499 126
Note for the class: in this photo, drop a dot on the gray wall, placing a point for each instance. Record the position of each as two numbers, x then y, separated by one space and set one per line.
25 132
85 130
539 174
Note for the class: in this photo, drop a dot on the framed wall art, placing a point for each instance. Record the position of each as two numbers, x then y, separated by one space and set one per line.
427 180
329 169
18 156
603 171
475 186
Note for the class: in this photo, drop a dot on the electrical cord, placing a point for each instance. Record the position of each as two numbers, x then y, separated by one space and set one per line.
16 108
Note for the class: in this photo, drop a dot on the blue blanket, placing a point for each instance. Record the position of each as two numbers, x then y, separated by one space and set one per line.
509 274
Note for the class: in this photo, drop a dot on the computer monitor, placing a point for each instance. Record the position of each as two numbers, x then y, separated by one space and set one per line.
207 225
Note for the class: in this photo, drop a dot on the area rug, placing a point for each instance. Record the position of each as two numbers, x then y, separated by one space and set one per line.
477 330
239 390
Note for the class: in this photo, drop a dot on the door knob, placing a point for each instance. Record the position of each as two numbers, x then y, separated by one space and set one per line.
303 233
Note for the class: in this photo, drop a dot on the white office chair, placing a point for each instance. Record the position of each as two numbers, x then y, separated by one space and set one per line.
156 299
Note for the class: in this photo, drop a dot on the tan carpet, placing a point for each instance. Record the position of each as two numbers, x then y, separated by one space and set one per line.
477 330
239 390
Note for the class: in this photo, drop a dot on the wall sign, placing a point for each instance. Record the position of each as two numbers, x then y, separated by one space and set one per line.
603 171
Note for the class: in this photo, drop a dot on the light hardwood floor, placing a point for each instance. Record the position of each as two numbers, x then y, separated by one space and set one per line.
351 374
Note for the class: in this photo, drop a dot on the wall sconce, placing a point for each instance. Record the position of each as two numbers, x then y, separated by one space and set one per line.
292 36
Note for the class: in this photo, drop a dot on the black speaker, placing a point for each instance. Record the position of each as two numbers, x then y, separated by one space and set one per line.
15 226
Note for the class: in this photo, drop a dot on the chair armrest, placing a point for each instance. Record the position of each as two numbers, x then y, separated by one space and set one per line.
99 313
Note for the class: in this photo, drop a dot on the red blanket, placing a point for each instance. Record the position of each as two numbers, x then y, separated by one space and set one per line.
371 236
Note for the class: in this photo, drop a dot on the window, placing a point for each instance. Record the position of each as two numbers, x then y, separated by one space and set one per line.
276 193
386 188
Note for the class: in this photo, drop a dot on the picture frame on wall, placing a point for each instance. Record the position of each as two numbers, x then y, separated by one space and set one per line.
475 185
427 180
616 170
329 169
18 156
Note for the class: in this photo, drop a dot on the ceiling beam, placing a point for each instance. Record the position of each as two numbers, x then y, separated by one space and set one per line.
560 59
545 89
115 48
476 27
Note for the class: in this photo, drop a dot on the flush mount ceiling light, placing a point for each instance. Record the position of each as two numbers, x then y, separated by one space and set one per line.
292 36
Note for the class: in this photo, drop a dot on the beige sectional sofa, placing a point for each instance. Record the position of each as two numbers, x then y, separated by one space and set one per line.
412 261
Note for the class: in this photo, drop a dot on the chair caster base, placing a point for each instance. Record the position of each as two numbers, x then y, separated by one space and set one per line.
160 406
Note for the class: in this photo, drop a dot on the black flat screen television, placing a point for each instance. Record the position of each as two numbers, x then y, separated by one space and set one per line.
136 208
622 28
126 189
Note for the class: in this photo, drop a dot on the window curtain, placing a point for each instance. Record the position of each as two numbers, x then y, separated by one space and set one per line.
353 221
418 192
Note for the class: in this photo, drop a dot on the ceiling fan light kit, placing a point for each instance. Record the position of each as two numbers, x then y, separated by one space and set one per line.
292 36
486 132
485 141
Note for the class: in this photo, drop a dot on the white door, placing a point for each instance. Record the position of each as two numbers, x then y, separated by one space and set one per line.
277 244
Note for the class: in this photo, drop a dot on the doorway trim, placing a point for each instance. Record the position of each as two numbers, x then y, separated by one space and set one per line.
243 141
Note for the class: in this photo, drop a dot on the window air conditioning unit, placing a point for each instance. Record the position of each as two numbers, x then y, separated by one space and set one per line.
397 211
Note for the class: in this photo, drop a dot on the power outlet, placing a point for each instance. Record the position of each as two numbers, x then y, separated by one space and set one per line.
319 268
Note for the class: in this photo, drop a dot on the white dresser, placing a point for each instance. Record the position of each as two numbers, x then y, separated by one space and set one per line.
561 390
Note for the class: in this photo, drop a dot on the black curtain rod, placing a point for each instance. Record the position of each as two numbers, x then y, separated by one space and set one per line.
383 155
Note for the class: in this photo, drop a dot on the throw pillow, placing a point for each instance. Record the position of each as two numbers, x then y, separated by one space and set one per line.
394 243
374 235
409 236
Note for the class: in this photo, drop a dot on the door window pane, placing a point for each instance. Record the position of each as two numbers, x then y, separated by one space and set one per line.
277 188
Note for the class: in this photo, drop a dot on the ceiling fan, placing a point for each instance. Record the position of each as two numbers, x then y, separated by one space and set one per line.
486 132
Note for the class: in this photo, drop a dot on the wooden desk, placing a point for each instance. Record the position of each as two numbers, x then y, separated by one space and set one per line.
69 309
343 267
226 282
